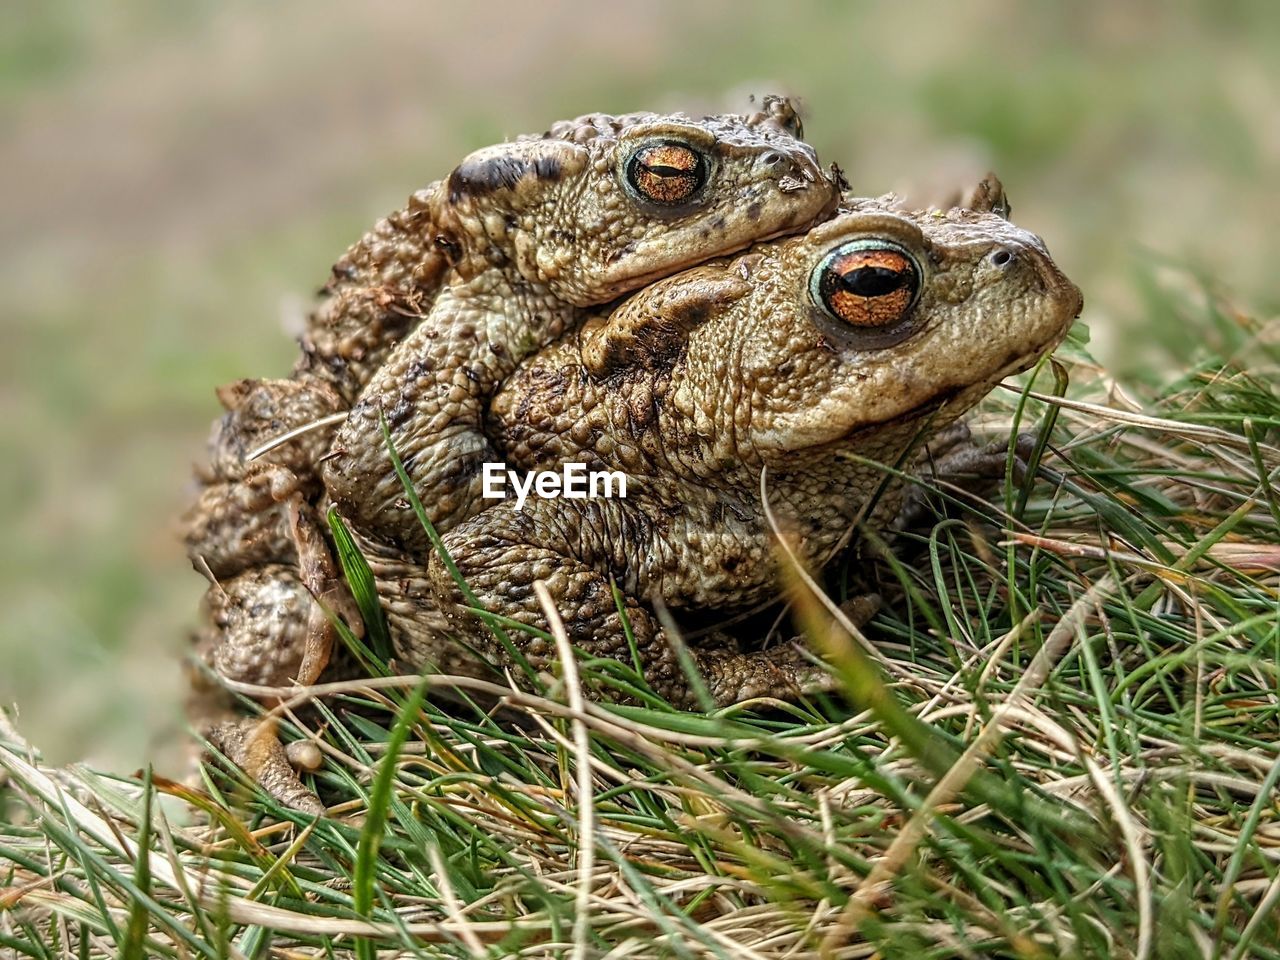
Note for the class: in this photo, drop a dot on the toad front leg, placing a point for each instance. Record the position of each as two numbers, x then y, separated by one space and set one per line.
432 394
575 547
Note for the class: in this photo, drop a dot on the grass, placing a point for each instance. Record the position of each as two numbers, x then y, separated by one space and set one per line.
1061 739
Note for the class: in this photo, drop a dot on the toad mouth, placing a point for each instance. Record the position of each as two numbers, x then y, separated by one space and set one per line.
943 398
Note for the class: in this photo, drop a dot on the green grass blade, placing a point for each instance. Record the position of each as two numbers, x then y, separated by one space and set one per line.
364 589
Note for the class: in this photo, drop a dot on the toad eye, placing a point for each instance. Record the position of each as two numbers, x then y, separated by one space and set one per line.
667 172
867 284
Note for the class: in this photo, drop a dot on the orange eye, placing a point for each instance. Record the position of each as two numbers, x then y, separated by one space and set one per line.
667 172
867 284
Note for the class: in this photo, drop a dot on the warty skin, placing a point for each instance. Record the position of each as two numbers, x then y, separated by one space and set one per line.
704 380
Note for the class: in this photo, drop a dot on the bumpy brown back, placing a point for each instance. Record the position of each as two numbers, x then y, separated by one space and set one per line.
379 291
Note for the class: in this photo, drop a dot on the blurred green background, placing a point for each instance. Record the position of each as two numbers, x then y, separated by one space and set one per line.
177 179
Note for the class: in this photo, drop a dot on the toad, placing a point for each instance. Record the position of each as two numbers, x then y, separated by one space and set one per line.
746 380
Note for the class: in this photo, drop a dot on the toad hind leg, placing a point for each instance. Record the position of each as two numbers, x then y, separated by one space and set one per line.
272 627
502 552
254 746
261 611
260 627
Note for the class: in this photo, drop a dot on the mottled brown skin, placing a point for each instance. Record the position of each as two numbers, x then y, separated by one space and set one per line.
238 521
535 231
703 381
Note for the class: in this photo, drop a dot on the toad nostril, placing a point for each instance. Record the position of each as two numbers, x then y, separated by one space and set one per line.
771 158
1002 257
